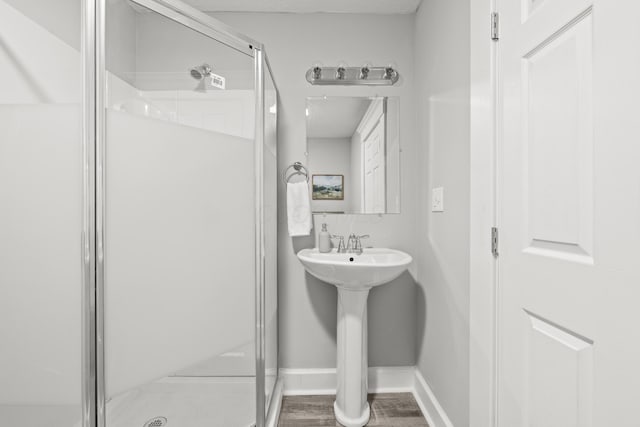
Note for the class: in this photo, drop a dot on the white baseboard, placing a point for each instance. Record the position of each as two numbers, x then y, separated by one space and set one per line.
275 405
385 379
433 412
299 382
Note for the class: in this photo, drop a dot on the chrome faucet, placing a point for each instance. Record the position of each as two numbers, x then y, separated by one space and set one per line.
354 244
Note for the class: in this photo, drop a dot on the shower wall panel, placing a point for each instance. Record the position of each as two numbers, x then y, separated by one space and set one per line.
179 248
37 67
40 214
40 231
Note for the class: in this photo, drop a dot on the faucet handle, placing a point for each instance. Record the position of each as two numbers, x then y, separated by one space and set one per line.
358 245
341 248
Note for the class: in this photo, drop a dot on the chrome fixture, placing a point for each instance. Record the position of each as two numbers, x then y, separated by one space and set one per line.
364 72
201 71
390 73
156 422
342 75
351 243
341 249
358 248
354 244
317 72
298 169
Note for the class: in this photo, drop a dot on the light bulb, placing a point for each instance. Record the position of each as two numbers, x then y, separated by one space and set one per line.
341 71
390 71
364 71
316 70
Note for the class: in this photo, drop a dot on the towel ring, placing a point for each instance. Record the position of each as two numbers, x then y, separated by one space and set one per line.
299 169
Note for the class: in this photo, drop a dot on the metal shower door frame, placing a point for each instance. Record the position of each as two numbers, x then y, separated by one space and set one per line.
93 51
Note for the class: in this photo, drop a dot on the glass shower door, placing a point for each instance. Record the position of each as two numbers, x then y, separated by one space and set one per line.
179 287
270 218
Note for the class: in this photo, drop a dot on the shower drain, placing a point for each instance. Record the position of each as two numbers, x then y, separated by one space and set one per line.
156 422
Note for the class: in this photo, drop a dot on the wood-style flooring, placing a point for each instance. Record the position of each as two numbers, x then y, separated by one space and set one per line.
387 410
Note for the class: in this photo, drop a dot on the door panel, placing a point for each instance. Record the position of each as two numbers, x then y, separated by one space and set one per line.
558 370
374 170
558 139
569 208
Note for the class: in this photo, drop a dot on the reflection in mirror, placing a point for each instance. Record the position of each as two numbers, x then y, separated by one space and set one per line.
354 154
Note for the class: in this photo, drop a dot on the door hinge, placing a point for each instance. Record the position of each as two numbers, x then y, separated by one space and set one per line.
495 22
494 241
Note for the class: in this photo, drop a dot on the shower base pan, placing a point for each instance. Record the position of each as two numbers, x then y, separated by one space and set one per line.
187 401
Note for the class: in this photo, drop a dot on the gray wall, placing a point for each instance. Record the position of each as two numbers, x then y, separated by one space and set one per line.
307 307
443 255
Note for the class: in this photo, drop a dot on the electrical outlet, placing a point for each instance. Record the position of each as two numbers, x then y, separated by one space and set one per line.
437 199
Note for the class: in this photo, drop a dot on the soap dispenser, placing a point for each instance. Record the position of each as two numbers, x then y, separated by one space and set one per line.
324 240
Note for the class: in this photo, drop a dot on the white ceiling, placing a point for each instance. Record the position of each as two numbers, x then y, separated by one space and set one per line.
308 6
335 117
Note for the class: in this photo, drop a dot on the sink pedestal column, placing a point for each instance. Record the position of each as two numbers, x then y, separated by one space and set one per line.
351 406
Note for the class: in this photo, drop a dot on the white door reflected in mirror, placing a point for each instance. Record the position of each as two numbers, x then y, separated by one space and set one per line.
354 154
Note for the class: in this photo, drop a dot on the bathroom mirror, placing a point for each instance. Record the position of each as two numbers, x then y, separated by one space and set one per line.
353 146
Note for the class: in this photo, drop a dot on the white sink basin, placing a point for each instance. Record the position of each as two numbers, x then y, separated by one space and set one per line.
374 267
354 275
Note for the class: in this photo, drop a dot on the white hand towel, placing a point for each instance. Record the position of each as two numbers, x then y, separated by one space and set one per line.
298 208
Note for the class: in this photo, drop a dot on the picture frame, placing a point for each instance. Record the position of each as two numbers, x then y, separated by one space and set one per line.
327 187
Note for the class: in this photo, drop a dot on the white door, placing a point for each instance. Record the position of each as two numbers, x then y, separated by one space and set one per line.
374 169
569 174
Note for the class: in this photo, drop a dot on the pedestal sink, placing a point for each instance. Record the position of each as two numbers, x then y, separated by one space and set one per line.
354 275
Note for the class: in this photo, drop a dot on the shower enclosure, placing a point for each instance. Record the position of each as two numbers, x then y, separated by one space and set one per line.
138 224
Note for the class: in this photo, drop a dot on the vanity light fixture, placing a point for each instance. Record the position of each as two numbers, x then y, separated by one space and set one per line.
343 75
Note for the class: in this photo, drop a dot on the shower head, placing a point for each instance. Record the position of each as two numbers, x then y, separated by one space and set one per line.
200 71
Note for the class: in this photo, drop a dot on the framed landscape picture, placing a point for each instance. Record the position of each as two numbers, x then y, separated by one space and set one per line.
327 187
